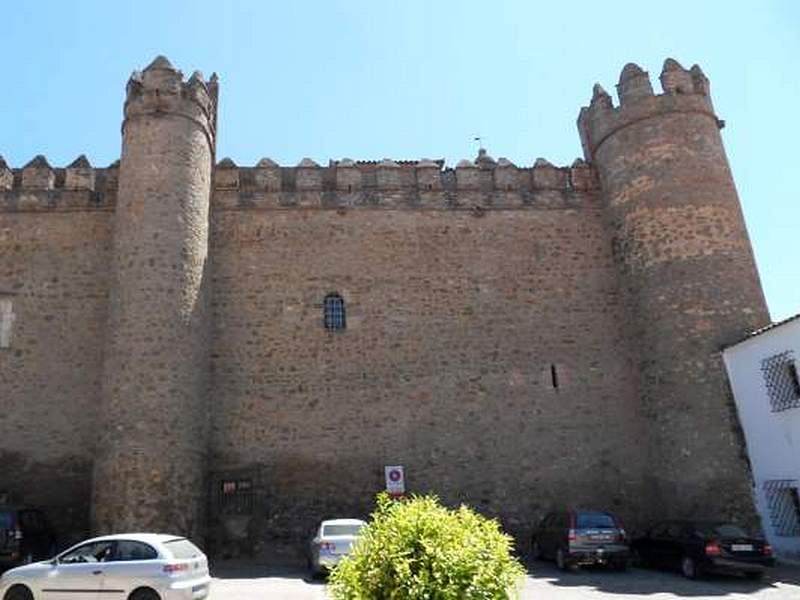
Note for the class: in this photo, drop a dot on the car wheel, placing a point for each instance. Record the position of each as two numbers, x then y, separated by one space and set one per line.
561 560
18 592
621 566
689 568
144 594
313 572
637 560
536 551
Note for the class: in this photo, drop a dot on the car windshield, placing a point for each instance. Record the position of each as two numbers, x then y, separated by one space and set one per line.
6 519
182 549
594 520
334 530
721 530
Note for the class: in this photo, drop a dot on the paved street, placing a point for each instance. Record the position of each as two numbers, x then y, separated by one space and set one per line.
543 583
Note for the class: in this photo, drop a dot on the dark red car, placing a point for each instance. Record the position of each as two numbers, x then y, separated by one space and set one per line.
581 537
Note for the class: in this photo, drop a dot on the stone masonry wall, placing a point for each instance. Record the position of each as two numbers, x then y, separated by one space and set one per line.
54 268
455 320
150 467
690 279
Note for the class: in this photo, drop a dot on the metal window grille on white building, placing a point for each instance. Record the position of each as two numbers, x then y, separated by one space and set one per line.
780 377
783 504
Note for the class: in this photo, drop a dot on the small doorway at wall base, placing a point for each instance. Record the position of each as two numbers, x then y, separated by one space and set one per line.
231 515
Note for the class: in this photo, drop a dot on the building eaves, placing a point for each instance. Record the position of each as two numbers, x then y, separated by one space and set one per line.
761 330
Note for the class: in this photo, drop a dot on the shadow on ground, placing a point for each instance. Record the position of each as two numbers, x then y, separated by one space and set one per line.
236 569
647 582
248 579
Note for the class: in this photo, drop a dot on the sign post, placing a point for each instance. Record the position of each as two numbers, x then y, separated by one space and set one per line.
395 481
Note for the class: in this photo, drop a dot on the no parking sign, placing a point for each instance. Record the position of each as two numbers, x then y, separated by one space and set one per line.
395 481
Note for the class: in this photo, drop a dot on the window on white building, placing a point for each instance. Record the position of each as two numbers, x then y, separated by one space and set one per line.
782 382
6 322
783 504
795 378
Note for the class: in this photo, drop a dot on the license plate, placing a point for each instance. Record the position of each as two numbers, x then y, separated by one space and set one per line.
742 547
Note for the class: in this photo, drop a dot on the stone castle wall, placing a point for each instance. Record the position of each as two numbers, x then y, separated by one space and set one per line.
54 268
150 461
517 337
436 282
686 264
455 322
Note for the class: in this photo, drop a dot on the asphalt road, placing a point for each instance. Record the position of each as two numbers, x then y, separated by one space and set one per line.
544 582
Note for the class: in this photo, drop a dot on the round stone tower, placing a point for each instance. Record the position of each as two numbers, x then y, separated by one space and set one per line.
150 466
691 284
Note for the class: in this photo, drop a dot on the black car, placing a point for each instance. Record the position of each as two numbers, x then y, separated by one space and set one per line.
581 537
697 547
25 536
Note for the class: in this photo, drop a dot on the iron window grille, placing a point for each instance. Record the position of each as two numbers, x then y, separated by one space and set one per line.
781 379
235 497
783 503
334 312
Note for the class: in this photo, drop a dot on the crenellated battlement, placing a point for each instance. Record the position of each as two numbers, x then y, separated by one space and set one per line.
346 183
484 182
684 90
39 187
160 89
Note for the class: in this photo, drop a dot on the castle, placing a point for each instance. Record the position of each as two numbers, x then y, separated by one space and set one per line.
196 347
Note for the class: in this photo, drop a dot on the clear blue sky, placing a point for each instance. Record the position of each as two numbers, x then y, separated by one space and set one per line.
411 79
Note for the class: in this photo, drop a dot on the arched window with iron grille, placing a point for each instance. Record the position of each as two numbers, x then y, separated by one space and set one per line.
334 312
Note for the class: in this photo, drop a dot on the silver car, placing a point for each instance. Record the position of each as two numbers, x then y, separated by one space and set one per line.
331 542
135 566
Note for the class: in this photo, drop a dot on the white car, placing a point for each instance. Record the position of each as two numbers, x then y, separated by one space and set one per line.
135 566
331 542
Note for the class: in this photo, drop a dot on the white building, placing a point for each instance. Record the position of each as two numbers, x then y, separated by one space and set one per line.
763 371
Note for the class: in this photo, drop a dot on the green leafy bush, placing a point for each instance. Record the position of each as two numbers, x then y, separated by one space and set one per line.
416 549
